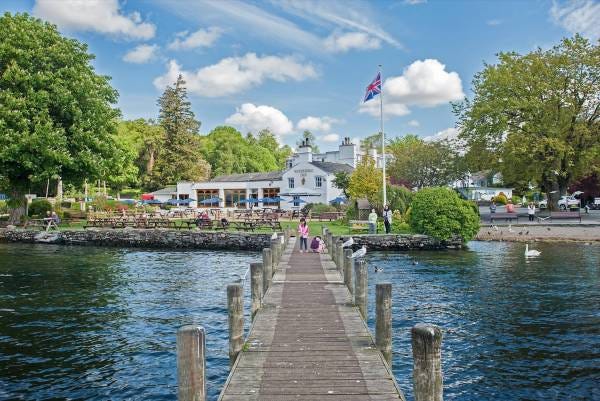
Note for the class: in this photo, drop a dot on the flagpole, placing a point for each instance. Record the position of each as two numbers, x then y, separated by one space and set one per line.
382 136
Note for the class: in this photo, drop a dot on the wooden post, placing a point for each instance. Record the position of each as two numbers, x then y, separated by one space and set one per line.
267 269
274 243
340 255
383 320
329 243
348 261
235 309
191 364
333 250
360 286
256 283
427 357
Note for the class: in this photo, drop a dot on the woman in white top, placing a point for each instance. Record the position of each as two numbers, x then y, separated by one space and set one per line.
531 211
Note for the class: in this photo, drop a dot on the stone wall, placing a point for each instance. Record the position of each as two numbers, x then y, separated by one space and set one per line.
401 242
158 238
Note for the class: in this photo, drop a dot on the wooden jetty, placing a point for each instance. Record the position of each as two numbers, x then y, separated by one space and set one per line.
308 339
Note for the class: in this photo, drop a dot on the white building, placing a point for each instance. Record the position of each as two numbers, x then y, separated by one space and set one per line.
308 178
477 187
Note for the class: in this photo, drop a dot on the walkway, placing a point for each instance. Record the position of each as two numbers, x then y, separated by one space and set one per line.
308 342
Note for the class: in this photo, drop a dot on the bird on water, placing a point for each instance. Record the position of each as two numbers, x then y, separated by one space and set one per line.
531 252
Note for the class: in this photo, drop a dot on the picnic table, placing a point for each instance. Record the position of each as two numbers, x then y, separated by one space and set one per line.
354 225
47 224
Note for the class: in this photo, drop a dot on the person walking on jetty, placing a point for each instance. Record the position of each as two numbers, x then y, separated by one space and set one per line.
372 221
303 231
531 211
387 219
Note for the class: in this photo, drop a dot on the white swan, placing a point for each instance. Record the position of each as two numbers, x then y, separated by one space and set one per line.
531 252
348 243
360 253
274 236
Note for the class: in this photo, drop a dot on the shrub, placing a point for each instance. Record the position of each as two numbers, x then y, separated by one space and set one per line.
3 207
399 197
321 208
500 199
440 213
40 208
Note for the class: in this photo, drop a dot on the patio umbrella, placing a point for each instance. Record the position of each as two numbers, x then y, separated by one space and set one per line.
128 201
338 200
266 200
180 201
277 199
152 202
249 200
299 200
210 201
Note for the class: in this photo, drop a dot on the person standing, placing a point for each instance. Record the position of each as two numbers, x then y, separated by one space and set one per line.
372 221
303 231
387 219
531 211
493 207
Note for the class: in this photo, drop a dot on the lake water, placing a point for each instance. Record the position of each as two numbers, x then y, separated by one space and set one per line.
99 323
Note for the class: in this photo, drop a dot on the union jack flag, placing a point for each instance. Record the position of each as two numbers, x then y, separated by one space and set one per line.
374 88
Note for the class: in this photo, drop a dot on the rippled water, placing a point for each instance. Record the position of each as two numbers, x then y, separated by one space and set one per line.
85 323
100 323
514 329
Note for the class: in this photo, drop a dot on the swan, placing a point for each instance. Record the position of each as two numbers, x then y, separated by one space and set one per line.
348 243
531 252
274 236
360 253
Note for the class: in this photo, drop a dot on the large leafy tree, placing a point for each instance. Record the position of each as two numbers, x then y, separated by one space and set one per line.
312 140
536 117
180 157
423 164
267 140
366 181
56 114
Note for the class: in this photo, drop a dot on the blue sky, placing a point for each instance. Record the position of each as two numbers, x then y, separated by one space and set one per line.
294 65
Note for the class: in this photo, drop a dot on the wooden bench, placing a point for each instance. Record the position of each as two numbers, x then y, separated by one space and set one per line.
561 216
506 216
355 225
47 224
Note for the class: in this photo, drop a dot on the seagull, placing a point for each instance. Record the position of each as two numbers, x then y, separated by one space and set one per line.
510 230
378 269
274 236
348 243
531 252
360 253
495 227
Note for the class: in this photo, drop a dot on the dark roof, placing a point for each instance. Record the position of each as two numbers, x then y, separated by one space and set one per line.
271 176
168 190
329 167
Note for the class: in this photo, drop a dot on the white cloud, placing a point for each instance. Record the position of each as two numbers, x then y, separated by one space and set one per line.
329 138
413 123
318 124
255 118
343 42
236 74
103 16
200 38
449 134
494 22
424 83
414 2
578 16
141 54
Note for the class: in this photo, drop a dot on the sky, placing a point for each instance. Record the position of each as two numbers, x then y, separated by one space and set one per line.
293 65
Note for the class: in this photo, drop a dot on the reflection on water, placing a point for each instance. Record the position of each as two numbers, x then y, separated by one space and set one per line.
100 323
514 329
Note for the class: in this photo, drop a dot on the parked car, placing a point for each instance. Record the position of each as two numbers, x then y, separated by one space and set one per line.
595 205
565 202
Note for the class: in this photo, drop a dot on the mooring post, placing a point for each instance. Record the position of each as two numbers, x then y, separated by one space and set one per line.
274 243
329 243
191 364
333 250
256 283
340 255
235 309
267 268
383 320
360 286
427 357
348 261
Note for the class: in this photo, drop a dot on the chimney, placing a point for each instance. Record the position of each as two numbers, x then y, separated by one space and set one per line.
304 152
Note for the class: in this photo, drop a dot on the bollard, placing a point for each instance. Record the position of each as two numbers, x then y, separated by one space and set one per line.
256 283
340 255
274 243
267 269
191 364
235 310
427 357
360 286
383 320
329 243
333 250
348 262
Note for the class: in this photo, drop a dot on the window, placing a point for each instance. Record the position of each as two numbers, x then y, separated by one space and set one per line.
184 196
295 199
291 182
233 197
271 193
205 194
318 181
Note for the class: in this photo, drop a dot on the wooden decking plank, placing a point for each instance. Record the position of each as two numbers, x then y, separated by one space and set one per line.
308 342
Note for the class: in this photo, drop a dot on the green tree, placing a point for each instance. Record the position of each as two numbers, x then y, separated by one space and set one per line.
365 181
311 139
440 213
371 142
56 114
180 158
536 117
342 181
423 164
267 140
